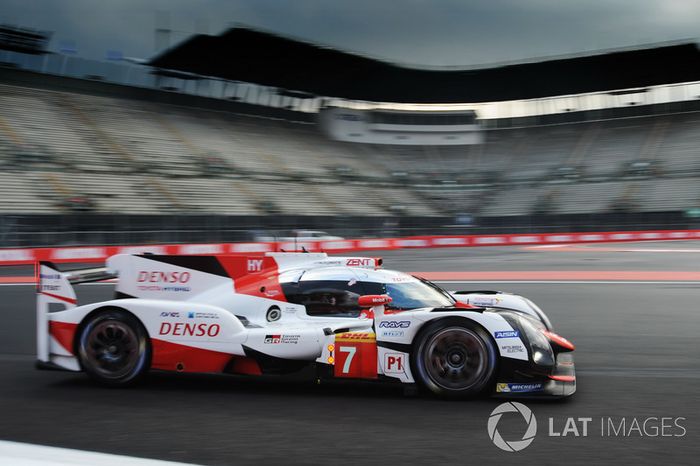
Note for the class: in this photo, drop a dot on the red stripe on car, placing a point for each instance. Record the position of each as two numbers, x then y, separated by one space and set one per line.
170 356
64 333
62 298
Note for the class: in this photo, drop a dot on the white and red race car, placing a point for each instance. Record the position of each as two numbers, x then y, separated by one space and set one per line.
277 313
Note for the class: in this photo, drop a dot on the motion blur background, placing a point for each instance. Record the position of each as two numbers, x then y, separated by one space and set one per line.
133 124
137 122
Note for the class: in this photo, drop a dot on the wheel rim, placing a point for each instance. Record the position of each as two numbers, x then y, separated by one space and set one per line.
112 349
456 358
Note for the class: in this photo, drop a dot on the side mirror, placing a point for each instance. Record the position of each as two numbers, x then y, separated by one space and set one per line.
371 300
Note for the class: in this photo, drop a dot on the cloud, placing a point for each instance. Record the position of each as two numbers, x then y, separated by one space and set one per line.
420 32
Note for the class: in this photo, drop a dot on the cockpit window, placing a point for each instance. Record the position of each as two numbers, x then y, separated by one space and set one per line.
338 298
410 295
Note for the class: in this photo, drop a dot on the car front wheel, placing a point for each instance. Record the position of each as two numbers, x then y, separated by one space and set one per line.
454 358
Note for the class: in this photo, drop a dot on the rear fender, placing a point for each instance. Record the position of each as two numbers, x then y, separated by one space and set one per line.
184 324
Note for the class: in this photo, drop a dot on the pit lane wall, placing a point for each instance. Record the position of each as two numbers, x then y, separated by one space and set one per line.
84 254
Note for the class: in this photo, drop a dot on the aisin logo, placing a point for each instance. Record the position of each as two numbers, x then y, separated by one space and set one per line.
528 436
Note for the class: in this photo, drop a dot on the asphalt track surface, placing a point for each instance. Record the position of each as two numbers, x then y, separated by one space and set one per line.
637 357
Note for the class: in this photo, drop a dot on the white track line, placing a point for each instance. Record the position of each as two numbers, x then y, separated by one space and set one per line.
27 454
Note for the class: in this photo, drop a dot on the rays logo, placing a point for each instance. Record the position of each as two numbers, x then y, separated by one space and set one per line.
394 324
514 445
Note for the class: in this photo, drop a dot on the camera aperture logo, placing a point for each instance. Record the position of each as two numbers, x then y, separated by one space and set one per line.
513 445
574 427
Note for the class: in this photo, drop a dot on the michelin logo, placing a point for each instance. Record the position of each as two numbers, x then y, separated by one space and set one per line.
507 334
518 387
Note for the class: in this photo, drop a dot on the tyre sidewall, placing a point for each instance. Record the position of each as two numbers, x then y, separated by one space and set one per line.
144 351
420 372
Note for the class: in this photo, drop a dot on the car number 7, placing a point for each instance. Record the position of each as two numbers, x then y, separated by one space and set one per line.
351 353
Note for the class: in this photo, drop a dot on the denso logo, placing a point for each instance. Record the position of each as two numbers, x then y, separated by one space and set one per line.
359 262
394 324
145 276
181 329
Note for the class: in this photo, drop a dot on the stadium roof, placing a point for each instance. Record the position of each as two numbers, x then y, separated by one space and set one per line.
23 40
247 55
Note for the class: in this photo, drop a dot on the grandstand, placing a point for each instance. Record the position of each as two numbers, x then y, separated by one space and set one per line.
146 158
142 158
72 146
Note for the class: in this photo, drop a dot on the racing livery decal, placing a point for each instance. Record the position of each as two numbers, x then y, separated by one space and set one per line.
305 313
356 355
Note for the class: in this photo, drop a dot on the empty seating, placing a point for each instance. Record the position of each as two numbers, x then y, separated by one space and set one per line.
141 157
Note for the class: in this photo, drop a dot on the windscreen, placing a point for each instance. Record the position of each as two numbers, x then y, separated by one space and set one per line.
410 295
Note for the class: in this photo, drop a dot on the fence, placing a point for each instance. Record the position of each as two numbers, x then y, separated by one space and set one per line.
25 256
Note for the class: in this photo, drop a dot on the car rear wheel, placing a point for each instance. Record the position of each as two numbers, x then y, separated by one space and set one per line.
454 358
114 348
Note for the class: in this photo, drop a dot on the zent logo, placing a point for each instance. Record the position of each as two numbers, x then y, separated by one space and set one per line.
359 262
394 363
189 330
145 276
514 445
255 265
507 334
395 324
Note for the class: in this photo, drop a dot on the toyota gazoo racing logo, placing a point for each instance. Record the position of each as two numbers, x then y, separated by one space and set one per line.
512 445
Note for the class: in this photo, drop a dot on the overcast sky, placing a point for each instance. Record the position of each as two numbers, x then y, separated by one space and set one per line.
418 32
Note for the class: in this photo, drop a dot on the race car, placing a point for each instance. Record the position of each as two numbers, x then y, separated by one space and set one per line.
338 318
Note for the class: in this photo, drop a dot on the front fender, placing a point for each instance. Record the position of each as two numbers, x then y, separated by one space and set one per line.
502 300
403 327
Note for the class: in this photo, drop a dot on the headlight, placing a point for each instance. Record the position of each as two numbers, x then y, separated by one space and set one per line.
540 349
542 353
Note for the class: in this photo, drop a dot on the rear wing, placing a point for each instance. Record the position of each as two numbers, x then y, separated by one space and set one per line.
54 292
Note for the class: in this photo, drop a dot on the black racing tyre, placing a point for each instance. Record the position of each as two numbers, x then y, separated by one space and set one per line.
114 348
454 358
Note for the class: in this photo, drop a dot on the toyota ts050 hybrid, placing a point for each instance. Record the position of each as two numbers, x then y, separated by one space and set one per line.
336 317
